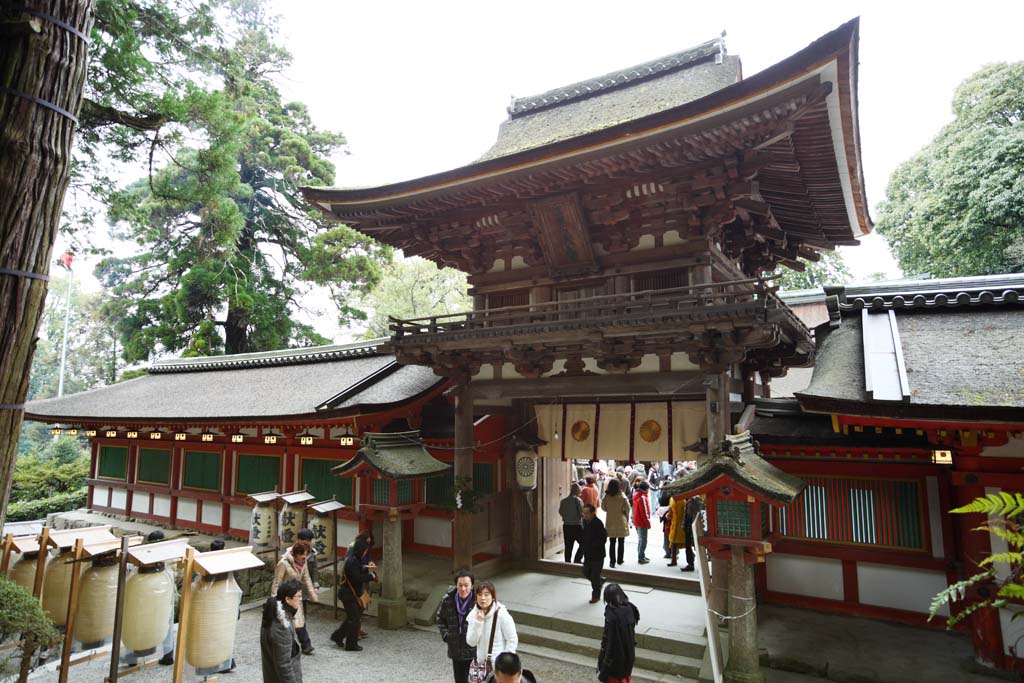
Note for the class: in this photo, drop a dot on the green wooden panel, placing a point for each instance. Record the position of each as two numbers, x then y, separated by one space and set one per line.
258 473
202 470
733 518
439 489
154 466
379 491
113 462
318 480
483 477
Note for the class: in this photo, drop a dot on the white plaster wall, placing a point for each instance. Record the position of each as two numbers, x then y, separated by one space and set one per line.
436 531
1014 448
1013 631
518 263
486 372
99 496
899 587
140 502
935 517
645 242
239 517
213 512
161 505
671 238
119 499
649 362
680 361
346 532
814 576
187 509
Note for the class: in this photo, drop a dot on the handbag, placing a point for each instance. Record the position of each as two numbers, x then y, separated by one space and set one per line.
363 598
478 671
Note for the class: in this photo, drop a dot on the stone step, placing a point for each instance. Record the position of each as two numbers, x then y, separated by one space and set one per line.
676 644
684 583
651 660
640 675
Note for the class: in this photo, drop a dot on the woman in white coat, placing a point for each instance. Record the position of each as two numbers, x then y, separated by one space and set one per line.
480 622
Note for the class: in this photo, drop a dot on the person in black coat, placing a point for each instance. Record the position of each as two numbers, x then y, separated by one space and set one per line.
618 642
355 576
451 622
592 540
280 652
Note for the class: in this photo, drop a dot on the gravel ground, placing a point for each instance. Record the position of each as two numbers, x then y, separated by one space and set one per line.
392 656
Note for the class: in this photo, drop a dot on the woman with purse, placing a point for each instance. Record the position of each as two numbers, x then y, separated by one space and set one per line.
618 642
294 565
617 521
354 595
491 631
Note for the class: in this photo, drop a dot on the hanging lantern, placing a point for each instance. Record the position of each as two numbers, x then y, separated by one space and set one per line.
263 528
23 572
94 624
57 586
212 619
90 432
148 606
324 527
291 518
55 431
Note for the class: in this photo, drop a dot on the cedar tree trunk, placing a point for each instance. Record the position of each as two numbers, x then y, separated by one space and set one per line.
42 67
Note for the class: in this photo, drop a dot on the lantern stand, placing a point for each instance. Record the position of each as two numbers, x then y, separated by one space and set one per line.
37 589
215 563
8 542
329 509
142 556
272 545
286 525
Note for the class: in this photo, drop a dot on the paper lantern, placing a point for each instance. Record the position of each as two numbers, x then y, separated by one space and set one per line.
213 618
324 532
97 596
148 603
57 586
23 572
264 523
289 523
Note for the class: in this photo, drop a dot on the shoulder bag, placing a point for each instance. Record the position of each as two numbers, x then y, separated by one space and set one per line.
478 671
363 598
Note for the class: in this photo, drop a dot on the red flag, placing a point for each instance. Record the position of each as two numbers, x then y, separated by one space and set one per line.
65 259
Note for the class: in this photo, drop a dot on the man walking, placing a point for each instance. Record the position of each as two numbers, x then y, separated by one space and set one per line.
593 542
589 494
691 512
641 519
571 511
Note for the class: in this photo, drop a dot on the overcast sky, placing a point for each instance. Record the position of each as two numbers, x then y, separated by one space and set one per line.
421 87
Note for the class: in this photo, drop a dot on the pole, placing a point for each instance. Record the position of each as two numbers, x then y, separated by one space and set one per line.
8 542
69 627
115 645
28 646
183 606
64 345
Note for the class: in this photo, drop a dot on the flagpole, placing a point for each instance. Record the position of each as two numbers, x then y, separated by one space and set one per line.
64 345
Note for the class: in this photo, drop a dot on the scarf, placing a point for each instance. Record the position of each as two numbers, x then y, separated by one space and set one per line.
462 607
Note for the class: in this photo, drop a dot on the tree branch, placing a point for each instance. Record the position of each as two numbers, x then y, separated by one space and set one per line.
96 114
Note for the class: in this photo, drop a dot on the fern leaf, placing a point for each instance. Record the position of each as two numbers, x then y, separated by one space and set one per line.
1008 558
1013 591
956 592
1018 506
968 611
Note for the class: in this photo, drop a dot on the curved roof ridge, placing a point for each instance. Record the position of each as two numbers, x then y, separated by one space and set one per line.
615 79
311 354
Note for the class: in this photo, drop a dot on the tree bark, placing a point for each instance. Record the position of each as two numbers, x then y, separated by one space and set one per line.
42 68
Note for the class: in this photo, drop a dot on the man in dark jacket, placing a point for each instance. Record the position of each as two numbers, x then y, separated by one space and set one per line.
451 622
280 652
691 512
508 668
593 540
355 576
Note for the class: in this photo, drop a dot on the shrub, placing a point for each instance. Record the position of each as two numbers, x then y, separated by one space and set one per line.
38 509
20 613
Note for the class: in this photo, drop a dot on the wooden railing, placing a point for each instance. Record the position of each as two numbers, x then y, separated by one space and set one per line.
608 306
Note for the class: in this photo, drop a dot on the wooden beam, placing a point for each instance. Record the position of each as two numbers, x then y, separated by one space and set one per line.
678 383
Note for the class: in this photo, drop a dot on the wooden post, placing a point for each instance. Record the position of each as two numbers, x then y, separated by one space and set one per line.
37 591
5 563
334 554
186 599
69 626
462 544
115 645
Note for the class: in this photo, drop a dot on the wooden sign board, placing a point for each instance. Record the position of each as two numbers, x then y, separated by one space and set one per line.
227 560
564 237
26 544
268 497
93 534
156 553
104 547
326 507
297 497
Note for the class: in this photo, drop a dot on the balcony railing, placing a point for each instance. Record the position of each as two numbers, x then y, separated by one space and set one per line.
738 299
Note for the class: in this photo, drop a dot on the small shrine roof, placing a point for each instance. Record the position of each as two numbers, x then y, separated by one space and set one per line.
938 350
335 379
396 455
743 464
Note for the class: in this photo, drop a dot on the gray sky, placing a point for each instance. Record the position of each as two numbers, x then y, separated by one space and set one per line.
420 87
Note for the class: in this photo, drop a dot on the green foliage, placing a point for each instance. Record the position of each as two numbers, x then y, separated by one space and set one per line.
59 468
21 614
414 288
38 509
1004 510
227 244
956 208
831 269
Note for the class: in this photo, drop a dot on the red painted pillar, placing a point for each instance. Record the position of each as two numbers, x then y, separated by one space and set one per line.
986 631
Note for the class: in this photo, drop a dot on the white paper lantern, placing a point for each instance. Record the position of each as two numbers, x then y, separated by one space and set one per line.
148 602
212 617
57 586
324 532
289 523
263 528
23 572
97 598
